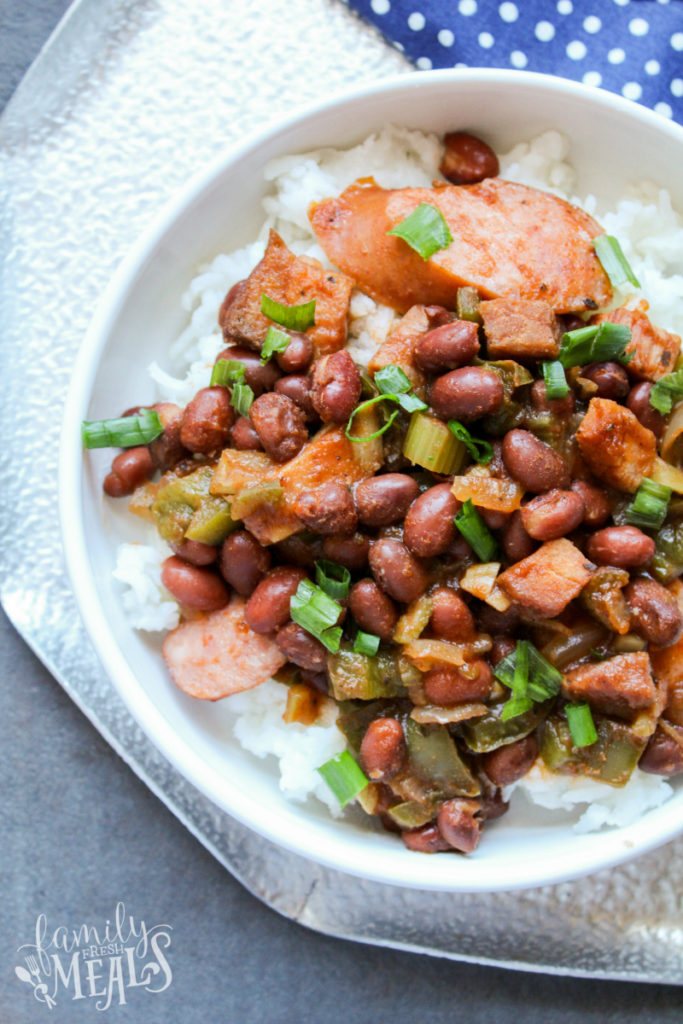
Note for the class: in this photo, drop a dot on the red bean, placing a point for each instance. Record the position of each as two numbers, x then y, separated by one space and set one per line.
280 426
490 620
426 839
207 421
447 347
301 648
638 402
298 388
509 763
336 387
244 437
553 514
373 611
622 546
300 549
494 520
447 686
259 376
611 379
243 561
382 500
429 529
451 618
536 465
129 469
396 570
201 589
517 544
655 614
467 159
195 552
501 647
297 357
557 406
383 749
663 754
466 394
459 823
167 450
596 503
328 509
349 551
268 607
231 297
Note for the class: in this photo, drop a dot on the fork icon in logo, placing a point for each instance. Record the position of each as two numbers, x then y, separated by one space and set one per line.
39 986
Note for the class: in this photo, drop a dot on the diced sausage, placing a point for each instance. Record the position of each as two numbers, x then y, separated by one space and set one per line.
544 583
291 280
618 449
617 686
654 351
520 329
219 655
508 240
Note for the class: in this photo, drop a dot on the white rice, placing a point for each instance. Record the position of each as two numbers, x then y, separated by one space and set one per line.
651 234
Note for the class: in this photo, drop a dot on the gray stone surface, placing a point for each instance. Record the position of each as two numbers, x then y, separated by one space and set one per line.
82 833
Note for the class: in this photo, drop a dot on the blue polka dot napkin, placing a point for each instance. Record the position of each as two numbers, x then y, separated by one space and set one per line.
631 47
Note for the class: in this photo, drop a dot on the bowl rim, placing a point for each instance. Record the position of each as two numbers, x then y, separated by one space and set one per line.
608 848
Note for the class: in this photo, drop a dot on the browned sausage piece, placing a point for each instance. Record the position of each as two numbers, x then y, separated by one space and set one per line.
243 561
396 570
268 607
509 763
207 420
336 387
129 469
520 329
429 529
655 614
382 500
301 648
382 751
460 823
553 514
197 588
451 618
544 583
620 685
536 465
328 509
622 546
373 611
280 426
663 754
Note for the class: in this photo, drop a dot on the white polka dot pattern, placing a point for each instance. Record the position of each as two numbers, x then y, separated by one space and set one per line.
631 47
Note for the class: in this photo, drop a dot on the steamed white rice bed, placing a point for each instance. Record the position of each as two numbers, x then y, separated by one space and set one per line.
651 234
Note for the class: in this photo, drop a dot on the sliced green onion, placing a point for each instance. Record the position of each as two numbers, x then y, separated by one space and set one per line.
296 318
666 392
649 506
481 451
581 724
476 532
430 444
366 643
274 341
366 405
596 343
125 432
614 263
242 397
516 706
411 403
391 380
318 613
227 372
425 230
555 381
344 777
530 677
332 578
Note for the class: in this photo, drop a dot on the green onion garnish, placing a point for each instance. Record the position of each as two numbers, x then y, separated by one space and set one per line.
476 532
481 451
332 578
313 609
581 724
366 405
555 381
666 392
530 677
614 263
274 341
125 432
649 506
344 777
366 643
392 382
596 343
296 318
242 397
425 230
227 372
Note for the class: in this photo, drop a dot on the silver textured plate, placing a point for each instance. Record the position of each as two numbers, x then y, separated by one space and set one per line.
129 99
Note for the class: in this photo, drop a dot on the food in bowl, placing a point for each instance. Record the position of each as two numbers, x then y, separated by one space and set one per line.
427 481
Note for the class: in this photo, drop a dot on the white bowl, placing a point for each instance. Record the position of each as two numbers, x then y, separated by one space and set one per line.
613 142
